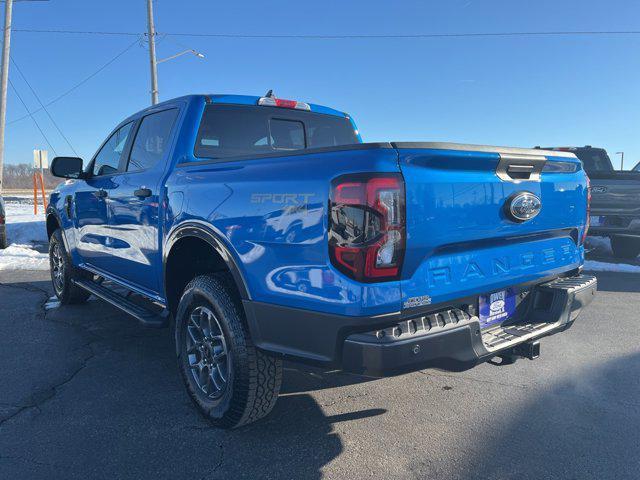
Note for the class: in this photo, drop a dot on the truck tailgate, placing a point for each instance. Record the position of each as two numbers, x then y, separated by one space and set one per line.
617 194
461 240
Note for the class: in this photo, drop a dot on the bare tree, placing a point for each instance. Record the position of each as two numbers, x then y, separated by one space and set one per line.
20 177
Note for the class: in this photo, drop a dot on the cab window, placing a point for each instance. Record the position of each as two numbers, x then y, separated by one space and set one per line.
108 158
152 140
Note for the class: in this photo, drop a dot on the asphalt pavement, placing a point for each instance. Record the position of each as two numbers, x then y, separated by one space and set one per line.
86 392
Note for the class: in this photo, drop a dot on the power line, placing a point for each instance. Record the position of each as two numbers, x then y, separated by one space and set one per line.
80 83
44 107
79 32
404 36
30 114
346 36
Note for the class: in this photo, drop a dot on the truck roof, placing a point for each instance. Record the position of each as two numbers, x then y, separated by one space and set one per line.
247 100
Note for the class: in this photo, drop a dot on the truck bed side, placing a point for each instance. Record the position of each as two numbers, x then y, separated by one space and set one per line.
271 213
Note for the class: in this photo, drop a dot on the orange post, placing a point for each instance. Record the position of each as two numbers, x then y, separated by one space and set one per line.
35 194
44 198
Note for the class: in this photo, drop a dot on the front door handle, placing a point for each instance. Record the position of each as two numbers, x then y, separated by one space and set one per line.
142 192
101 193
68 202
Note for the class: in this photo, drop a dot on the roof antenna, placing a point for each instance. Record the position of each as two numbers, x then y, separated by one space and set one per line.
269 94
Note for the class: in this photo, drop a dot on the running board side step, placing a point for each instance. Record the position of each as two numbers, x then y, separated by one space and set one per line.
144 316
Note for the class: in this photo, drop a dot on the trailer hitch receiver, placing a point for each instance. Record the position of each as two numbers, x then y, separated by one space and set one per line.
530 350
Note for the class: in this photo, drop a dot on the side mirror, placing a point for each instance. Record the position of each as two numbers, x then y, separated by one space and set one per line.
66 167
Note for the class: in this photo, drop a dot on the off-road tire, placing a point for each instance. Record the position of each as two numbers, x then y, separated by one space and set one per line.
254 378
625 247
67 292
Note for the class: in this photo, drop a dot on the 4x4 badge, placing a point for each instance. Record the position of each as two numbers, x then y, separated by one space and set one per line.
417 301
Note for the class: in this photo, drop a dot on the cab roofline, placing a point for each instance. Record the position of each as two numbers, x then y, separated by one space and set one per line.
222 99
253 100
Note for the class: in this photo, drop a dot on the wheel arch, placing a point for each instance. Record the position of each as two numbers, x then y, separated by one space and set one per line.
53 222
197 234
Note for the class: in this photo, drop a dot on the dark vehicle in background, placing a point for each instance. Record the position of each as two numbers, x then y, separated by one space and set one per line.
615 200
3 226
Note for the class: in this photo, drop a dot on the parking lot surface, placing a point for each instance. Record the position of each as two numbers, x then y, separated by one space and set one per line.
88 393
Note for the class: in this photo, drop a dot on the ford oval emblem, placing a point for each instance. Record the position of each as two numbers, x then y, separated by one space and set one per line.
523 206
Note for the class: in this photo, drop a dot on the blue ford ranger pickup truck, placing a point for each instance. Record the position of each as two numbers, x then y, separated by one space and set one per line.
261 229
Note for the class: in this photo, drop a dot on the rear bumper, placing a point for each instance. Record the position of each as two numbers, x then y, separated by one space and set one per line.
462 345
615 224
607 232
448 339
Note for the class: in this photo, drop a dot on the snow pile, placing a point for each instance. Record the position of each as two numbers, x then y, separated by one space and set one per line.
22 257
23 227
25 232
53 302
596 266
600 247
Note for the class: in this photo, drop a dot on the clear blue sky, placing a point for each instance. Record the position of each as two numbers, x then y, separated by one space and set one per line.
504 91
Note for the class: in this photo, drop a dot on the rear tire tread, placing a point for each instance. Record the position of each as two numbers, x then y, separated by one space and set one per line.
258 376
625 247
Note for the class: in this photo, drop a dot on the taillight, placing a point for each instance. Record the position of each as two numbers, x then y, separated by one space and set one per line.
588 219
2 220
367 226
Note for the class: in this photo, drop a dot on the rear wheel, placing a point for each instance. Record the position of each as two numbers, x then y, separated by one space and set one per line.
625 247
63 273
231 382
3 237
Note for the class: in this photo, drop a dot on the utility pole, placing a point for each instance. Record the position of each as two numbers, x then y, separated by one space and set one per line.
5 78
152 53
621 160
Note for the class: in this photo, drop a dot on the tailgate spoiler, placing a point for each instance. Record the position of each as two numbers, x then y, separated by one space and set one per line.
515 164
482 148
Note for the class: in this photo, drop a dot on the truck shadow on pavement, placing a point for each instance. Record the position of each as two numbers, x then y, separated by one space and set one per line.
112 405
585 426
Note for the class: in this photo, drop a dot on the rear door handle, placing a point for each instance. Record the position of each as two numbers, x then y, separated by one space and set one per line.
101 193
142 192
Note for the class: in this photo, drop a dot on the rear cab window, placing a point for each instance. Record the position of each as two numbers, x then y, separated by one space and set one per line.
595 160
235 130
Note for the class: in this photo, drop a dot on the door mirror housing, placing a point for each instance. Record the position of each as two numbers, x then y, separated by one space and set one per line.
67 167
